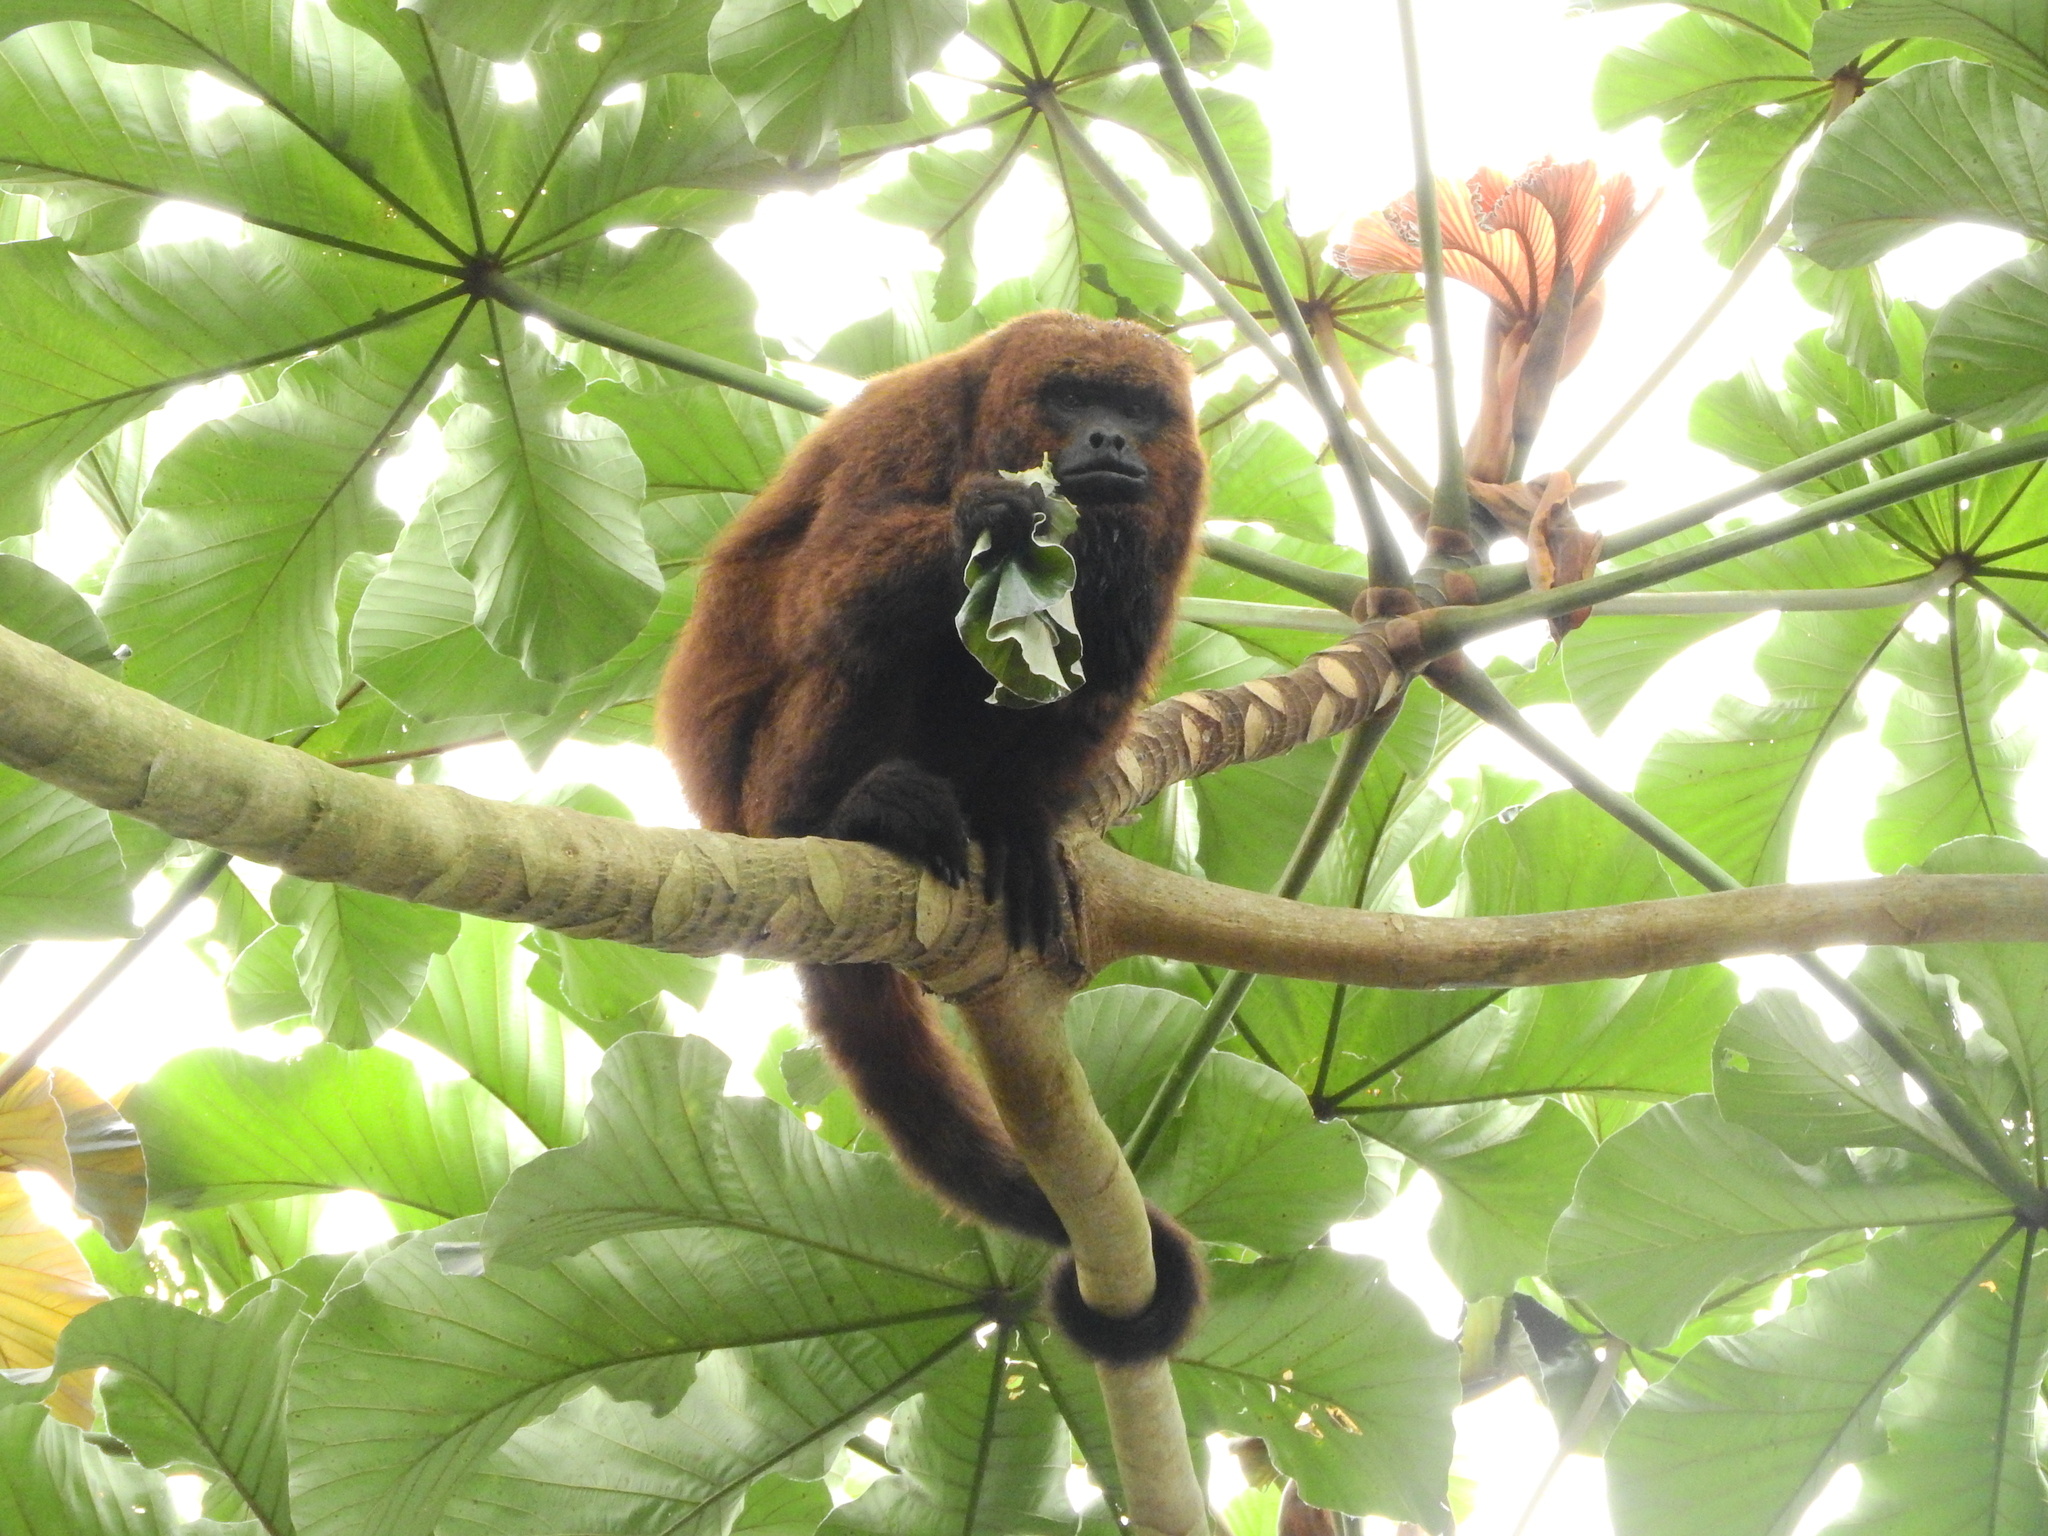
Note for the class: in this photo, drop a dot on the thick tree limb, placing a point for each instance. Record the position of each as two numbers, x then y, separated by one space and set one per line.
1019 1029
1139 908
817 900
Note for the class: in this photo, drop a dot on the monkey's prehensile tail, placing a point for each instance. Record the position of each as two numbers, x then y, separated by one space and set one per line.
884 1036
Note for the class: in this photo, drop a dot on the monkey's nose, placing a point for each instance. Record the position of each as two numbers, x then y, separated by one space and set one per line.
1106 440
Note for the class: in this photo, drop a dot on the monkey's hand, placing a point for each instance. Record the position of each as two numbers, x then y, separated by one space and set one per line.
1004 509
1027 869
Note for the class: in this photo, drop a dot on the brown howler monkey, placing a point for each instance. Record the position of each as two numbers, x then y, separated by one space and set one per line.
820 688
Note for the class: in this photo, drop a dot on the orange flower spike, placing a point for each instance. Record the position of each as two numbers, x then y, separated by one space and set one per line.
1518 241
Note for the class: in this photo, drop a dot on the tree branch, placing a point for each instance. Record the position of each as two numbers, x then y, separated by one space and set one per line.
649 349
1448 629
816 900
1020 1035
1138 908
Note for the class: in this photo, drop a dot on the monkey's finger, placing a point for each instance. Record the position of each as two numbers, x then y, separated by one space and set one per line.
995 857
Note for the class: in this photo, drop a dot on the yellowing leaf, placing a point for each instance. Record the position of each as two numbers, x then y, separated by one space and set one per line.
44 1282
32 1129
108 1181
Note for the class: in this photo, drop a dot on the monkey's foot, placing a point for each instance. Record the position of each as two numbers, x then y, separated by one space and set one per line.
911 812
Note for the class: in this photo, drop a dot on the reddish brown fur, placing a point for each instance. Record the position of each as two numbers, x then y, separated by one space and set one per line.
836 559
822 644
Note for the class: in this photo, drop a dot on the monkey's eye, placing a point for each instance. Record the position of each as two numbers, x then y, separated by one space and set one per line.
1069 397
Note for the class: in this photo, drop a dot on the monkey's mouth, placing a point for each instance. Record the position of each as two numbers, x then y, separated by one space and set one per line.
1103 480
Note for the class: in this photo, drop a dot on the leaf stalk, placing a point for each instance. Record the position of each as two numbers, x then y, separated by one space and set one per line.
519 298
1388 565
1333 805
1451 506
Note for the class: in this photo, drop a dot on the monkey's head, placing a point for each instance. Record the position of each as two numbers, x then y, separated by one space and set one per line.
1108 401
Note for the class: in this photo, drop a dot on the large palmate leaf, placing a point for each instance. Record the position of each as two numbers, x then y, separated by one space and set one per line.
609 1465
2012 34
226 591
415 639
1747 1430
1320 1356
941 193
1369 317
1648 1240
1960 1430
67 114
220 1127
36 603
667 1149
1505 1171
1737 95
540 509
60 1485
2004 983
1984 356
980 1449
1941 142
798 72
1944 143
403 1385
61 874
1779 1074
1957 768
187 1390
92 342
1264 475
696 438
318 75
471 1011
671 285
1734 789
361 958
1245 1161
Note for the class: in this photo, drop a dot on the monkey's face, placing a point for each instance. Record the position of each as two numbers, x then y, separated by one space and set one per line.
1102 427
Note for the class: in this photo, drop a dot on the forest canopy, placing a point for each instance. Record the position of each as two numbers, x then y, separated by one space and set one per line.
484 377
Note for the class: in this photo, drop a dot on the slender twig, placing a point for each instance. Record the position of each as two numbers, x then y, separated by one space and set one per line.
868 1448
1797 600
378 759
1327 621
1389 566
1332 806
1128 198
664 354
1409 486
1477 692
1448 629
1451 506
1575 1431
188 890
1340 589
1752 257
1255 334
1217 611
